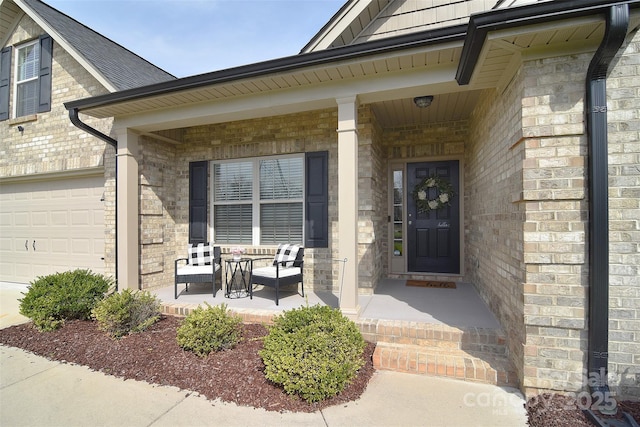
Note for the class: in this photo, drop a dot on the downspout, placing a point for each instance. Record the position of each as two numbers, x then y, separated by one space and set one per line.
75 119
617 22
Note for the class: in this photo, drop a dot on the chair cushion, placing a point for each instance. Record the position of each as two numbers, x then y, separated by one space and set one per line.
286 253
197 269
270 272
201 254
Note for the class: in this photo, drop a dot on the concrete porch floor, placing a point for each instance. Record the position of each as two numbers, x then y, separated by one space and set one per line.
392 300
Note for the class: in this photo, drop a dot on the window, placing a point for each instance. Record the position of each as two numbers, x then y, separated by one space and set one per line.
27 68
397 212
258 201
25 71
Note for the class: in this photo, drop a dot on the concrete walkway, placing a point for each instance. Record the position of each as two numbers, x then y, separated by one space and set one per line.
37 392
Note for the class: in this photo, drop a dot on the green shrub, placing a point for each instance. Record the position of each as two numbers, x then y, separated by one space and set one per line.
313 352
53 299
126 312
210 329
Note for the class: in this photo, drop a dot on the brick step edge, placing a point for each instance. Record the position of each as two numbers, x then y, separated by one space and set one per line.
470 339
388 331
247 315
458 364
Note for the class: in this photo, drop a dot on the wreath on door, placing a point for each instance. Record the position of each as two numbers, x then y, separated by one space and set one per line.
444 194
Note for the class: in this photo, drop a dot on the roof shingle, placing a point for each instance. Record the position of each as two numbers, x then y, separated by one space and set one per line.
123 68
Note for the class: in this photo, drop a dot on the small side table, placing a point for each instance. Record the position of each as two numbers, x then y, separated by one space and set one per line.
235 273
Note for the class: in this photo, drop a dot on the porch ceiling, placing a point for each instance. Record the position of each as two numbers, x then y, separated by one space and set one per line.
499 60
388 81
315 87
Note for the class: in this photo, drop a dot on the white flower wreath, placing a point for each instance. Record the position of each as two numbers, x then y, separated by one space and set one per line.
443 198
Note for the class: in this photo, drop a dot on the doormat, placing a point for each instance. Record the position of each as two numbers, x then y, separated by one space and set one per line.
431 284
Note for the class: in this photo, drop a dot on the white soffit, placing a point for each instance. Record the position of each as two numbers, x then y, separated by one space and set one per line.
375 88
323 79
506 48
10 14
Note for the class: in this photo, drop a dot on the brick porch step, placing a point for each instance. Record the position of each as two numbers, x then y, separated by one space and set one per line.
434 335
457 364
465 353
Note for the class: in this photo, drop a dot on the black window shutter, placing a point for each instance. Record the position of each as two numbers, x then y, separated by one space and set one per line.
5 79
316 223
198 177
44 81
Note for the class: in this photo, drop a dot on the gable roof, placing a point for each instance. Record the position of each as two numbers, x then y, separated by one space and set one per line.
116 67
454 63
359 21
346 24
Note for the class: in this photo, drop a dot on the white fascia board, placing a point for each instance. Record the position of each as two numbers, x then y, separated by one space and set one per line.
341 23
67 47
396 85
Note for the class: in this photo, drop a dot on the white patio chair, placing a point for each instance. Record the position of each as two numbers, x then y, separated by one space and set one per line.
286 269
202 266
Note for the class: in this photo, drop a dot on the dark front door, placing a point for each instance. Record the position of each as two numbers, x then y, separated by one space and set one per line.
433 222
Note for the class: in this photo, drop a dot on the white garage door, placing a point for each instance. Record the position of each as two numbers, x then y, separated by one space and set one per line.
51 226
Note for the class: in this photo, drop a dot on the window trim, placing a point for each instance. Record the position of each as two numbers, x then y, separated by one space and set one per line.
17 81
255 196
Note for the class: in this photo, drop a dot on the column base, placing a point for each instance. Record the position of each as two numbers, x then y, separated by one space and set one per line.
352 313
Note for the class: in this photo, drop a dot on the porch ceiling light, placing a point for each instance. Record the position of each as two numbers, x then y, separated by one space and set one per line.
423 101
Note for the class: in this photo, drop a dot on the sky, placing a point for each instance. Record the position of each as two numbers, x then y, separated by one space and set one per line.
189 37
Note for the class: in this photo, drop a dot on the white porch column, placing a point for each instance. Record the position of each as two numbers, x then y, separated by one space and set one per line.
127 211
348 202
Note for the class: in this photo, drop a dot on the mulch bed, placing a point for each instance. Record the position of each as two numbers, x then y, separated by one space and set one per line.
235 375
554 410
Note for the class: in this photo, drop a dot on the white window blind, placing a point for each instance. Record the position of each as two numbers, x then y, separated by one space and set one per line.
233 223
281 179
27 79
264 194
233 196
233 181
281 222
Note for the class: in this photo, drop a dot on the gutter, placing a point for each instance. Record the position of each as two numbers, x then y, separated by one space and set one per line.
482 23
617 22
75 119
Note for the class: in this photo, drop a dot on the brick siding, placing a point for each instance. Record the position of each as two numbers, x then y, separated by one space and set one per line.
623 101
165 176
50 143
493 212
525 198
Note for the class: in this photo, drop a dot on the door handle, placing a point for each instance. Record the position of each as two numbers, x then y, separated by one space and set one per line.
26 245
34 245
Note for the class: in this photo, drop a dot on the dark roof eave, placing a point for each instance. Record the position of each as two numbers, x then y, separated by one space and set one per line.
482 23
328 56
